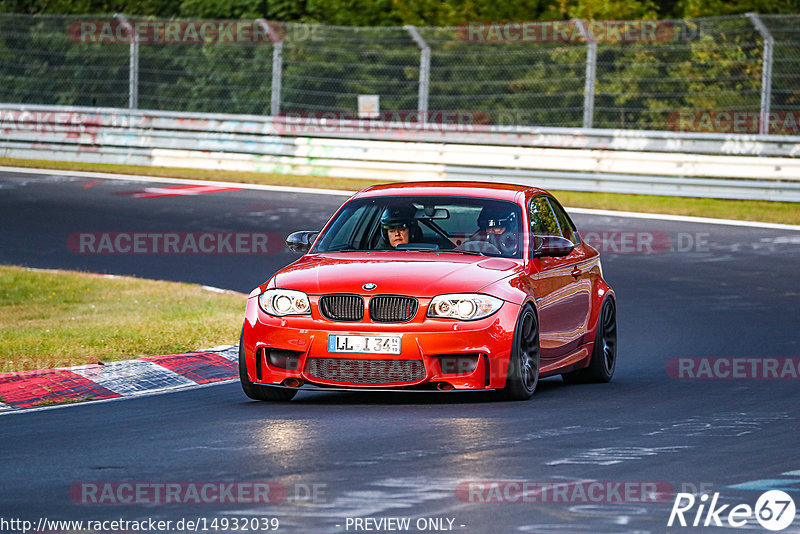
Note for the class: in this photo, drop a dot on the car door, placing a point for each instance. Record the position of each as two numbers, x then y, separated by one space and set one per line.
561 285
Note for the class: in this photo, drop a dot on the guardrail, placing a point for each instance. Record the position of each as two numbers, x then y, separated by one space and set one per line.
620 161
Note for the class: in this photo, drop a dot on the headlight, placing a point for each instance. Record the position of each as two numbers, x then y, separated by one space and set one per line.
463 306
282 302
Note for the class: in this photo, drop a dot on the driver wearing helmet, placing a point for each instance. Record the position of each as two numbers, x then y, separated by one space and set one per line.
497 232
398 226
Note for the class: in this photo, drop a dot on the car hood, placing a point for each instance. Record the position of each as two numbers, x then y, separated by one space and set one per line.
401 273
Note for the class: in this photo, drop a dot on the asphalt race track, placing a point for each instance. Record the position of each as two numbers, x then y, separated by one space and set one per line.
719 292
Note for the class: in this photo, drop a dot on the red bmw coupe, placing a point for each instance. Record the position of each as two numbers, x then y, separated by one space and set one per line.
433 286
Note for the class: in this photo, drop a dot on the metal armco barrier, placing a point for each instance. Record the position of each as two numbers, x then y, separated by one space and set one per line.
622 161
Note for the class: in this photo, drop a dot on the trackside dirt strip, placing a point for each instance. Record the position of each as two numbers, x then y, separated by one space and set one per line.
45 387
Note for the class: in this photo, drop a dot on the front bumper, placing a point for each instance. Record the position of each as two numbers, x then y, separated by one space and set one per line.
428 349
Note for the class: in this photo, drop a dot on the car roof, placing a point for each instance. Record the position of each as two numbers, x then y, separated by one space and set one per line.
498 191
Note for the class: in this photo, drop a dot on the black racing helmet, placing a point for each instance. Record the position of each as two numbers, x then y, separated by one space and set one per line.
492 217
402 216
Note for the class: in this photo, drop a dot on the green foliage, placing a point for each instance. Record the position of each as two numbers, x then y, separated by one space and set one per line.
543 220
335 50
221 9
609 9
708 8
159 8
399 12
350 13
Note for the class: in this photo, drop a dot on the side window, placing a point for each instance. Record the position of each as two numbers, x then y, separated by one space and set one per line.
564 222
349 228
543 220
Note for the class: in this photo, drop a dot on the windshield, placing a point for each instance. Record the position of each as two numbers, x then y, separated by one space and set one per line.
448 224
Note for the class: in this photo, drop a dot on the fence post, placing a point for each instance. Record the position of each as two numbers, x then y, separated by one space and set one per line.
424 72
133 64
591 68
277 67
766 72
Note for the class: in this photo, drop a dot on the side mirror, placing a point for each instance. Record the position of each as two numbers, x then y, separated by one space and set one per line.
301 242
550 246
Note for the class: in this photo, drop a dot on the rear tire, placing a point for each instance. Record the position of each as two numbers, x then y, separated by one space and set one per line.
257 391
523 366
604 355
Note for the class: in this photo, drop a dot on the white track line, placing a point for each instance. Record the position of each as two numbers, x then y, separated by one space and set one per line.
685 218
335 192
183 181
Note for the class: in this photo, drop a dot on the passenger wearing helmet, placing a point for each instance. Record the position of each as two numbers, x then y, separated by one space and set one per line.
497 232
398 226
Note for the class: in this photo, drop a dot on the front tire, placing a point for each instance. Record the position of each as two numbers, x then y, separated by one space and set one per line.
604 354
257 391
523 367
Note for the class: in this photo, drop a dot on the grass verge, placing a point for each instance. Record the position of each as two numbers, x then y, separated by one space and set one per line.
60 319
746 210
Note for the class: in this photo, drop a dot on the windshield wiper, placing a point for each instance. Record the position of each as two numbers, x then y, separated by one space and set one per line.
420 248
341 248
461 251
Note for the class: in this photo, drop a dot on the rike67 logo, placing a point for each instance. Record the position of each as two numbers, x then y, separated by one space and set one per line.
774 511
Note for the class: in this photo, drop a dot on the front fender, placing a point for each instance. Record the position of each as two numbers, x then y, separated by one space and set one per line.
511 289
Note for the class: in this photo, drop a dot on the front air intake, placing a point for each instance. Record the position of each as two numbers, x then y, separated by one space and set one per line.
342 307
392 308
365 371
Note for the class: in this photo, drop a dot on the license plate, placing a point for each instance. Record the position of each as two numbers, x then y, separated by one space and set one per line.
364 344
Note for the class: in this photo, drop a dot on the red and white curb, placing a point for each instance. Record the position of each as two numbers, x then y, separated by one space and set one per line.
31 389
